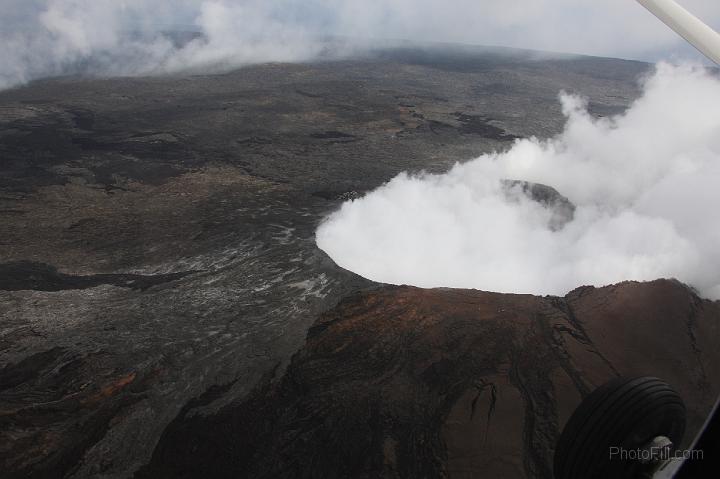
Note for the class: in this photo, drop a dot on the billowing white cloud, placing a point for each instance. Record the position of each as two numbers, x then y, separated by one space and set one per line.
644 184
108 37
49 37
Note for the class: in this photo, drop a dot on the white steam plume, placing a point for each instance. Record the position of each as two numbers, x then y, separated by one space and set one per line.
646 185
41 38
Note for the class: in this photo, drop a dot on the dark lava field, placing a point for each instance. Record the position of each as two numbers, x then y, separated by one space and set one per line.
165 312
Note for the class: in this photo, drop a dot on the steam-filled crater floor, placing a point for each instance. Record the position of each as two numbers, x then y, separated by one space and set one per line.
165 311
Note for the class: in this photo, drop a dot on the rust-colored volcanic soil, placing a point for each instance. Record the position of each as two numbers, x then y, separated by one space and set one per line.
405 382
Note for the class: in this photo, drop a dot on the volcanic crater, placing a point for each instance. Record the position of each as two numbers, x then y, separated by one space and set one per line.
165 311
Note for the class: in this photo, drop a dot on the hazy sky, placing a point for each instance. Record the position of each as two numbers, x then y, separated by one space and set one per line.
46 37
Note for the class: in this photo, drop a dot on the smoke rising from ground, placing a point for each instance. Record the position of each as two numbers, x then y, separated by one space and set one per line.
106 37
645 184
40 38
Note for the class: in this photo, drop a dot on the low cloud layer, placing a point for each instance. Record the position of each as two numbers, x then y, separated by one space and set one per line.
40 38
645 184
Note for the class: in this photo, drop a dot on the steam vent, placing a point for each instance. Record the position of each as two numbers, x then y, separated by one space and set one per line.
165 311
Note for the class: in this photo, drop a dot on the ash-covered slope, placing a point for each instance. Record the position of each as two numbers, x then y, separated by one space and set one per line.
159 258
405 382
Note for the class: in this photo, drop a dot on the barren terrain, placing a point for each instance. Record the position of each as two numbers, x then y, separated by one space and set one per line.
165 312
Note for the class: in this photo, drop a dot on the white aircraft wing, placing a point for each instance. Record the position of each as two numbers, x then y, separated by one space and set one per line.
687 26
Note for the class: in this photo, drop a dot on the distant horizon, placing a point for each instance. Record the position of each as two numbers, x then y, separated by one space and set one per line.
45 38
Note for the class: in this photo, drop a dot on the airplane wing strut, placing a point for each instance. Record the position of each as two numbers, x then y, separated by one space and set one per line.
687 25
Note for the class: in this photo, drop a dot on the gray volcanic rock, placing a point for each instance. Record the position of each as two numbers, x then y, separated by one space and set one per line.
25 275
562 209
158 250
